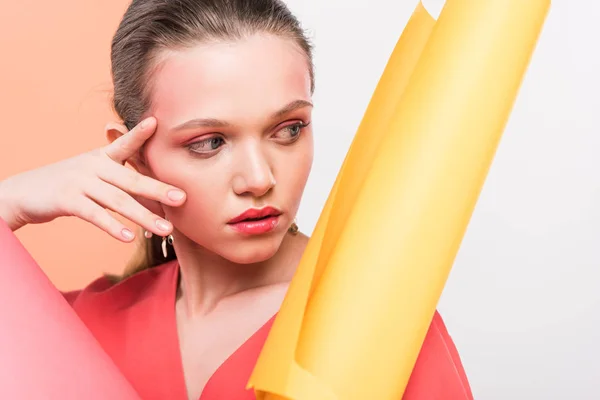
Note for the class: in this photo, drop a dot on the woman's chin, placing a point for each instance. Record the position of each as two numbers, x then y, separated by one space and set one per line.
253 251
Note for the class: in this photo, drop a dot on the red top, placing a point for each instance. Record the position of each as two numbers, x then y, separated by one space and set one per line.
135 323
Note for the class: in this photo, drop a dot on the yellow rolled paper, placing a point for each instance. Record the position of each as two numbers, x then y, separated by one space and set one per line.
276 363
366 289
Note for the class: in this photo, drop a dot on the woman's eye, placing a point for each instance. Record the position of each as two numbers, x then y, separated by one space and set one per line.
291 132
206 145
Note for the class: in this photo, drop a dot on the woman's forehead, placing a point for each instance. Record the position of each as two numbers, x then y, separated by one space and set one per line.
257 74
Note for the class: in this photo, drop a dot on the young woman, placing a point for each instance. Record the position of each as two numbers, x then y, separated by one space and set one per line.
215 99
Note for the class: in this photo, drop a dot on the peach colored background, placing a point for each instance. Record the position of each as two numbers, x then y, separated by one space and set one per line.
54 102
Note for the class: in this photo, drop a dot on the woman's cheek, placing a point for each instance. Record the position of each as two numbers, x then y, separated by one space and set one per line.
299 169
204 200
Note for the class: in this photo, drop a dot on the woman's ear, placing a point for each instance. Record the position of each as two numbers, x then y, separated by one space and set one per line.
113 131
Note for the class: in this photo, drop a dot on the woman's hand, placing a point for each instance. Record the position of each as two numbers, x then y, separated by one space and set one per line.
87 185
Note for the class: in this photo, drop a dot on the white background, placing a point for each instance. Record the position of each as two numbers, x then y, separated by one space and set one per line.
523 296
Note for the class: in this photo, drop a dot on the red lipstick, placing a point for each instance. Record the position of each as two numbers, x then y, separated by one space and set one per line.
256 221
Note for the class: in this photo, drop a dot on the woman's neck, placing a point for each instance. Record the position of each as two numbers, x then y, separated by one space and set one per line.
206 278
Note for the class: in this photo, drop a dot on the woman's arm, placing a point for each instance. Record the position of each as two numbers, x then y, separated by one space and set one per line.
7 212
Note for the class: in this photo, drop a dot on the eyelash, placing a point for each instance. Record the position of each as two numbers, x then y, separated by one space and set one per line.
192 146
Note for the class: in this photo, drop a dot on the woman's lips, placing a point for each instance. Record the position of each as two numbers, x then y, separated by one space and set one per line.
256 227
256 221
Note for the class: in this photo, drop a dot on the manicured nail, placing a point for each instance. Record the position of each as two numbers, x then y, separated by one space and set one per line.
175 195
127 234
163 225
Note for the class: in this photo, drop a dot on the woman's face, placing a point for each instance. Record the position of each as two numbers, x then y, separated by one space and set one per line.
233 133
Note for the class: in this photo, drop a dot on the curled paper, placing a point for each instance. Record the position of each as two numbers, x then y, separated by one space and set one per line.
46 352
366 289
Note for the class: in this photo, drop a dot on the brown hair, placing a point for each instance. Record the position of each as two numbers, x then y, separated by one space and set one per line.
150 26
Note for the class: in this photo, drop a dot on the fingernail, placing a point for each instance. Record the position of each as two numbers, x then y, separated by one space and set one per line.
144 123
127 234
175 195
163 225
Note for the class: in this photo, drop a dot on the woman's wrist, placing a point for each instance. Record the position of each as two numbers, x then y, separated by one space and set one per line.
7 209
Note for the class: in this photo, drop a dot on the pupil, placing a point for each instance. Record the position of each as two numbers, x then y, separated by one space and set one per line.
214 143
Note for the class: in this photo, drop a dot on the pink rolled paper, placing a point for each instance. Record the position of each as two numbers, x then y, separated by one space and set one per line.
46 351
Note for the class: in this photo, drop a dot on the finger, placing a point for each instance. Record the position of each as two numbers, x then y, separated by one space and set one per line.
90 211
119 201
141 185
127 145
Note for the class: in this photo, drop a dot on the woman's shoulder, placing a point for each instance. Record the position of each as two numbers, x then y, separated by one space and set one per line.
122 292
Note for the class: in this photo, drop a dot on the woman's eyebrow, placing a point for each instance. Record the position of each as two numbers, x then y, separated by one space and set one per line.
294 105
217 123
202 123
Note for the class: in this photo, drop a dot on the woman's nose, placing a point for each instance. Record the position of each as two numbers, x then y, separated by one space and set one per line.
254 174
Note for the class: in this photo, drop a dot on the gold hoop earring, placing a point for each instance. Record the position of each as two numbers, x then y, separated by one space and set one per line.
293 228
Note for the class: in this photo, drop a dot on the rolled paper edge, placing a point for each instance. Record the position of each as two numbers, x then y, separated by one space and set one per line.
370 133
